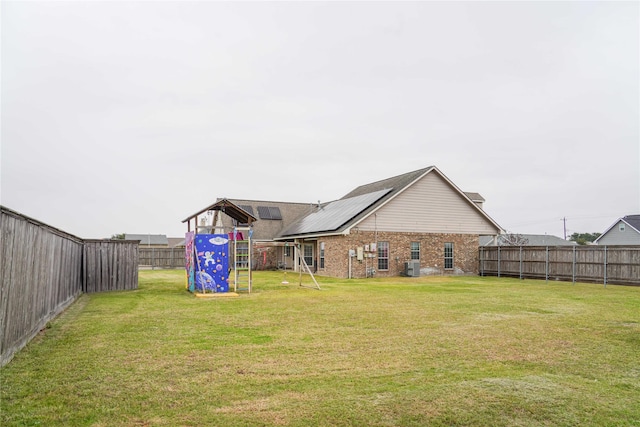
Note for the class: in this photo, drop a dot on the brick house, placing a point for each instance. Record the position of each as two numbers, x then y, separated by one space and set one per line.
418 220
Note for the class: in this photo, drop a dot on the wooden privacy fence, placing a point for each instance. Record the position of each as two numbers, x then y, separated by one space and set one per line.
44 270
110 265
601 264
161 257
175 258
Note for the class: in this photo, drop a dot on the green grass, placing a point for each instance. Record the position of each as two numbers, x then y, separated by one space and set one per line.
460 351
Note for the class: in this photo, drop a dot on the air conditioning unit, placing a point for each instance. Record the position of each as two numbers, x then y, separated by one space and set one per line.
412 268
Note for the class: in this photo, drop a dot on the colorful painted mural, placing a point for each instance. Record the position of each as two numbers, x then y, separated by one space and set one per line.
190 260
211 264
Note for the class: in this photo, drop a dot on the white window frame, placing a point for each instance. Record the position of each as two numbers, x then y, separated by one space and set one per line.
415 251
308 258
448 256
382 258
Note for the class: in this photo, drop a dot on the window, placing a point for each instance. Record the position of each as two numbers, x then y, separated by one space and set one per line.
415 250
287 250
308 254
321 254
383 255
621 226
448 255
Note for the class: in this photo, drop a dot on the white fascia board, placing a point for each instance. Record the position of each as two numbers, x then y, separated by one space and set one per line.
632 227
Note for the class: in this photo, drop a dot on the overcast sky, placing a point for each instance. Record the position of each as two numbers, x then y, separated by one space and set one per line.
131 116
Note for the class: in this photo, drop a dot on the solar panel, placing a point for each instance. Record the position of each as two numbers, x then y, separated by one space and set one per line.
274 211
247 208
336 214
263 212
269 212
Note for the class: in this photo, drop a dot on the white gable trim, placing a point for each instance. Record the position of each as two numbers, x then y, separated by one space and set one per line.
613 226
632 227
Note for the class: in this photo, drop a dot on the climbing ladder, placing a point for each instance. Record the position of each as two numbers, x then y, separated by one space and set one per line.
242 259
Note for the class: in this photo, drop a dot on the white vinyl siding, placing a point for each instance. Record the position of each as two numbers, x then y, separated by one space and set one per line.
430 205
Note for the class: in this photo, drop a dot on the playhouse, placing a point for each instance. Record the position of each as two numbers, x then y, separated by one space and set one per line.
218 260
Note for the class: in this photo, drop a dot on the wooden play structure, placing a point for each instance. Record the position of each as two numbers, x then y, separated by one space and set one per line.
218 260
303 267
242 277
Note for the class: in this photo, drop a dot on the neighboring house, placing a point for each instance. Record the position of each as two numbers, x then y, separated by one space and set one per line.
176 242
419 217
625 231
149 240
525 240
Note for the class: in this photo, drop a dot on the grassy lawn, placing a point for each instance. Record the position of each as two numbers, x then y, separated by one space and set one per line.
461 351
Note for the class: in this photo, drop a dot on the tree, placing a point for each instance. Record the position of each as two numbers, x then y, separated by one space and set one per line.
118 236
511 239
584 238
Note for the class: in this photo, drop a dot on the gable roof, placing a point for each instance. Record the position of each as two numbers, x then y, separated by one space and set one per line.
476 197
363 201
229 208
632 221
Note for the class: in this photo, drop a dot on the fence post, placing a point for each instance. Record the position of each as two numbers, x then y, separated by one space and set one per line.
573 267
481 261
605 266
498 261
546 264
520 262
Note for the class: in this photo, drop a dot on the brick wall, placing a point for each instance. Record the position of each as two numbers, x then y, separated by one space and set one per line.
465 253
265 256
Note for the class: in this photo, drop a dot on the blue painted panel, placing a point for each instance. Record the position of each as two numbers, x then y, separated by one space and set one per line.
212 263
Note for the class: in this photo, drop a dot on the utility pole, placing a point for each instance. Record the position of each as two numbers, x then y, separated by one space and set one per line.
564 222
